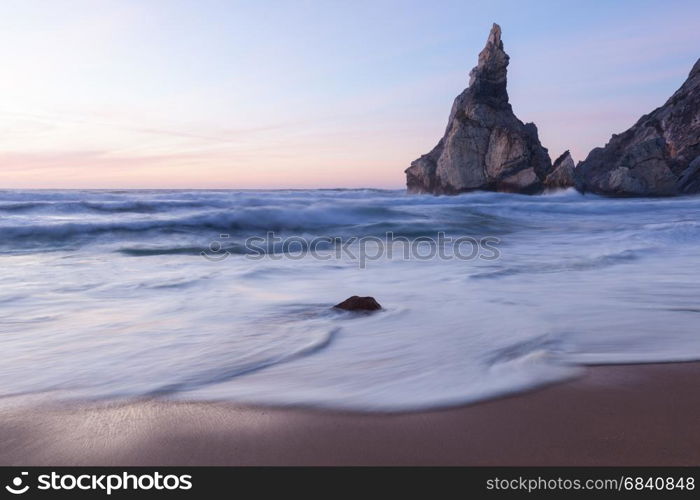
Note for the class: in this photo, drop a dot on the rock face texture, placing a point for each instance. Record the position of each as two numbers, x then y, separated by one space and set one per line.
658 156
562 174
485 145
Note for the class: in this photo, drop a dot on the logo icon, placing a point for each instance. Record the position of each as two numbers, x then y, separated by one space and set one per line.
216 252
17 483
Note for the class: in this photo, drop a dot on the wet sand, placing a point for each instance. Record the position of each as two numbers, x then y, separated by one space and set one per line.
613 415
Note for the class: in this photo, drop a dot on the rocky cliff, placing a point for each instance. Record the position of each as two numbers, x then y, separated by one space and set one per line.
658 156
485 145
562 174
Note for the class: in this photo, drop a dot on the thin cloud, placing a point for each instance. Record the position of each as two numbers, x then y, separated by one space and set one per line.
224 138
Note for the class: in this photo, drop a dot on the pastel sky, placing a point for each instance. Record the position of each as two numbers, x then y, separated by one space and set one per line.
274 94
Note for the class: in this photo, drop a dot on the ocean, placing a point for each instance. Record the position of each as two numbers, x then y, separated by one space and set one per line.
121 294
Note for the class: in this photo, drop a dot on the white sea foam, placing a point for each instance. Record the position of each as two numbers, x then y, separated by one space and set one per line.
104 294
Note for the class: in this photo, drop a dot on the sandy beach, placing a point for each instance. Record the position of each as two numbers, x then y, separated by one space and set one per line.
613 415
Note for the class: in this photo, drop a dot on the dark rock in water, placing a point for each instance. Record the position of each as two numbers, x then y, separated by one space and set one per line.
485 146
658 156
562 174
356 303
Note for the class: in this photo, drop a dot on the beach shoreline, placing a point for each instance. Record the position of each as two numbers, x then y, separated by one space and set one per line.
612 415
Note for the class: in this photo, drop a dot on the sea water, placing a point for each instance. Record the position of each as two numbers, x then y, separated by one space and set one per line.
114 294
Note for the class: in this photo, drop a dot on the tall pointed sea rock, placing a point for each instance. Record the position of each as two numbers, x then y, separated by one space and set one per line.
485 145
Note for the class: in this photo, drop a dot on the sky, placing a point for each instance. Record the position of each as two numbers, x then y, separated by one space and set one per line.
308 94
